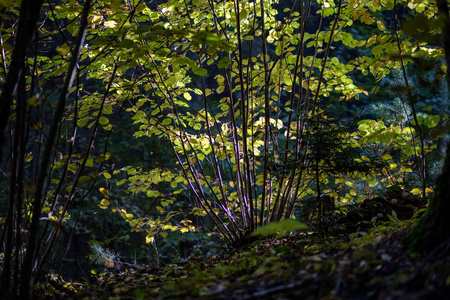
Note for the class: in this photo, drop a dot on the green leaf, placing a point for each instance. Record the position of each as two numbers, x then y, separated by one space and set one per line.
432 121
104 202
104 121
103 157
166 121
72 168
63 49
115 4
82 122
281 228
224 62
199 71
126 44
89 162
386 157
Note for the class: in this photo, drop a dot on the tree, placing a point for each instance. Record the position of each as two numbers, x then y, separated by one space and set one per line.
241 93
434 227
240 119
15 88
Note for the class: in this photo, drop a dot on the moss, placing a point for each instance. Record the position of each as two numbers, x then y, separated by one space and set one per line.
434 226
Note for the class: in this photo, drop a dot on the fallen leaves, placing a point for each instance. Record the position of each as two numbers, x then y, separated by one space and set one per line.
370 264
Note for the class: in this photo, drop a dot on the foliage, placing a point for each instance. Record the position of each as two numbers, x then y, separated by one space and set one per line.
238 101
239 116
369 263
281 228
101 256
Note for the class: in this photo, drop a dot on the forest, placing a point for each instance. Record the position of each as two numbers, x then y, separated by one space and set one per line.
237 149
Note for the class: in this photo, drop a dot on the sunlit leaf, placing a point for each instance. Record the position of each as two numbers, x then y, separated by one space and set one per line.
199 71
281 228
386 157
416 191
110 24
166 121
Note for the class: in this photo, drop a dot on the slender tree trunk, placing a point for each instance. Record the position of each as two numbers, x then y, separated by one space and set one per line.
434 227
28 17
30 262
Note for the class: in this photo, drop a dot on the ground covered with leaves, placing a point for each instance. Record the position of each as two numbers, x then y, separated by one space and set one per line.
370 264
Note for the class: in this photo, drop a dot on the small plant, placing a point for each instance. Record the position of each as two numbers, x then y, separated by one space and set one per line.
101 256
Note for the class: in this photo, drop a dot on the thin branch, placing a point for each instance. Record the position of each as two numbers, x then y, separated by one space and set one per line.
422 160
27 269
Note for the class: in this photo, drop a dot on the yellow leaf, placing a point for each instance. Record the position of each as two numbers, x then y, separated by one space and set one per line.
381 25
371 40
386 157
96 19
63 49
29 157
353 192
305 84
110 24
104 191
416 192
187 96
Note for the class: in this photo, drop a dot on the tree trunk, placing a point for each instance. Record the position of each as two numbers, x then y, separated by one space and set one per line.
434 227
28 17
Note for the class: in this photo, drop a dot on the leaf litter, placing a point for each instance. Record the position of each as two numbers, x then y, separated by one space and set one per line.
370 264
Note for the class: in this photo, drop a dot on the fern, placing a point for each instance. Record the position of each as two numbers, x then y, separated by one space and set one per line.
101 256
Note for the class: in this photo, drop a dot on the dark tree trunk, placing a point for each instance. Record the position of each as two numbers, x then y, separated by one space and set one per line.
14 88
28 272
434 227
29 15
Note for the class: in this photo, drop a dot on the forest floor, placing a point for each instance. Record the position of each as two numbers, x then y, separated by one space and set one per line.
370 264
